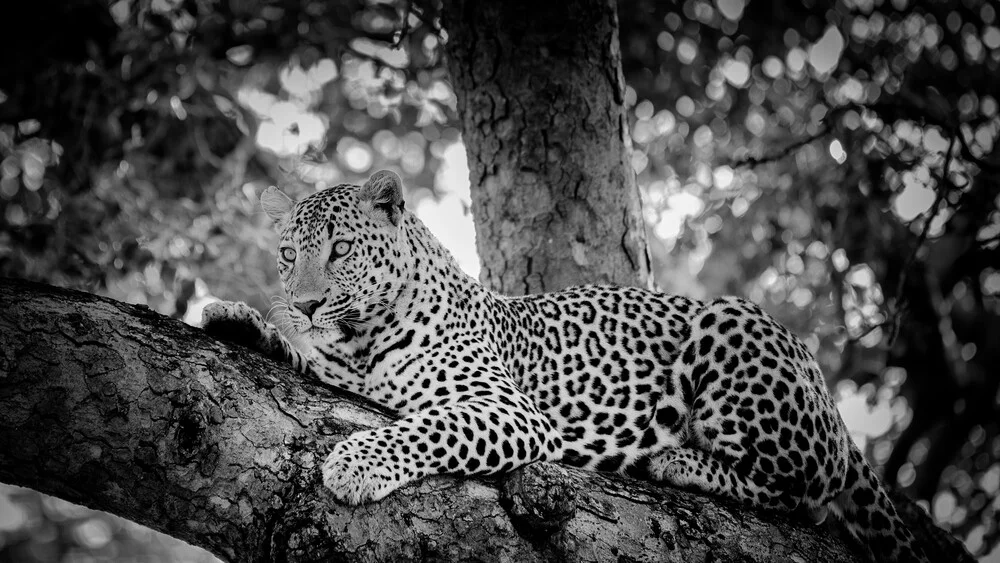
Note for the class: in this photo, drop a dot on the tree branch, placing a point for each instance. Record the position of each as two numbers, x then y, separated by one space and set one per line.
124 410
755 161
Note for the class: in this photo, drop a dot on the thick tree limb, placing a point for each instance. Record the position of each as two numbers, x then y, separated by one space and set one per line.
121 409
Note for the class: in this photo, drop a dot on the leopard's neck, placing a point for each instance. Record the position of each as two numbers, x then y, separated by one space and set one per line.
436 297
435 276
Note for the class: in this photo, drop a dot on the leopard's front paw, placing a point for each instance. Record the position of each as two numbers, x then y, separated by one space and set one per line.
235 322
674 466
355 473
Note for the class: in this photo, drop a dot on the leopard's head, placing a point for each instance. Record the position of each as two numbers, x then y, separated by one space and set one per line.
341 253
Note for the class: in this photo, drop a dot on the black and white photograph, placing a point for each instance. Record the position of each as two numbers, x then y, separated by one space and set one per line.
575 281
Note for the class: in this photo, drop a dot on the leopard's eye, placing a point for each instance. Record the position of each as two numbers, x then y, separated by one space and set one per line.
340 249
288 254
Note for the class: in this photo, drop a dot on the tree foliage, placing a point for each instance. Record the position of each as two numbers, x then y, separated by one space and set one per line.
835 161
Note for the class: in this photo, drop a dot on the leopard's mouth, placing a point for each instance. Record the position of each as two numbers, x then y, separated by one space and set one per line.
337 333
339 328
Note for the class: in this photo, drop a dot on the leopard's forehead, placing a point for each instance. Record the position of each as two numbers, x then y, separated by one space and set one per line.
323 205
315 218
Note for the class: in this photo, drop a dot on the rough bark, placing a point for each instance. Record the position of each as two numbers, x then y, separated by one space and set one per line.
541 95
118 408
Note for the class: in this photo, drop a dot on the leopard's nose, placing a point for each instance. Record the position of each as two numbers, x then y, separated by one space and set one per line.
308 307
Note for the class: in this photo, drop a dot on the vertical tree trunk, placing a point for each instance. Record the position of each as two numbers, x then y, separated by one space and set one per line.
541 97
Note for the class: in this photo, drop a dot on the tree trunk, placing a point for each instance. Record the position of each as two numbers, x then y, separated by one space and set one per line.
118 408
541 96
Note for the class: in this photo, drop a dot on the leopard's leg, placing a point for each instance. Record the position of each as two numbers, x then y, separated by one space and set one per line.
721 456
490 434
242 324
755 425
689 467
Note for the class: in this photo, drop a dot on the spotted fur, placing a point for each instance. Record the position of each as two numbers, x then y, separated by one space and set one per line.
714 396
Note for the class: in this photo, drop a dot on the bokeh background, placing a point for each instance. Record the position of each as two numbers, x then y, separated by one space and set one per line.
836 162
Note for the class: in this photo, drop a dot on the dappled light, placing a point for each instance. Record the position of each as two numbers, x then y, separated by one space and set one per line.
41 529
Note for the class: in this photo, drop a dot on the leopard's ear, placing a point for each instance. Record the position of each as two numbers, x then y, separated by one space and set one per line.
277 205
382 197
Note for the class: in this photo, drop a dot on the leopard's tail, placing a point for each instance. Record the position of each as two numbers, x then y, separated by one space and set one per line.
871 518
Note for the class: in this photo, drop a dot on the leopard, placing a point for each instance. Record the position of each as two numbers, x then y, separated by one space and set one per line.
713 395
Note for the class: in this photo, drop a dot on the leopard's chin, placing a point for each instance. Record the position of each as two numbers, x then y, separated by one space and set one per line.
341 332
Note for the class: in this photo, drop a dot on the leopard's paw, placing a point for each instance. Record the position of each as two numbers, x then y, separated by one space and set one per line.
235 322
356 474
677 466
